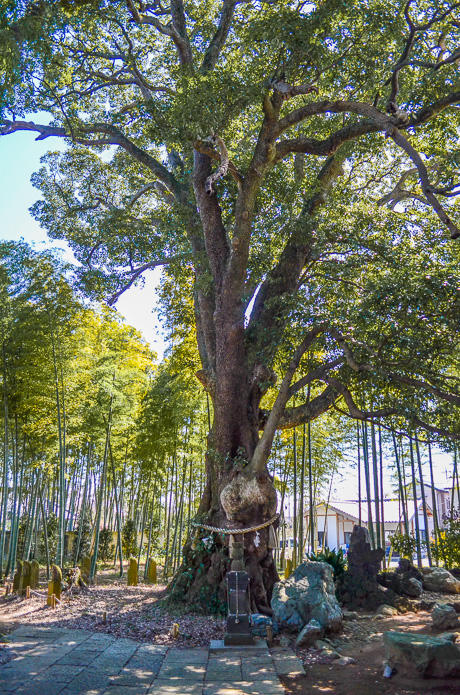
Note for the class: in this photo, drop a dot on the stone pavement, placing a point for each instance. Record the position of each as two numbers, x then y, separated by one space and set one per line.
56 661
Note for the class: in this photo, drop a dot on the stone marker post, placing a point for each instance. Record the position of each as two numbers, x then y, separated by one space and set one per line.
34 574
152 571
25 577
133 578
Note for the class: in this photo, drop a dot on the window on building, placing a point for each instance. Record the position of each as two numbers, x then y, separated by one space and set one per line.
320 537
347 537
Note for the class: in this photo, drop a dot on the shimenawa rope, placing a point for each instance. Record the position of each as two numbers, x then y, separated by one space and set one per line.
235 531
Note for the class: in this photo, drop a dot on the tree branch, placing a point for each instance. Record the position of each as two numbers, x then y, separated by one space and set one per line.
217 42
292 417
215 234
264 444
176 29
113 137
137 272
328 146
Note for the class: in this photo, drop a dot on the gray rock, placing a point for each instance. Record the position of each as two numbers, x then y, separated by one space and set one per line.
350 615
386 611
309 634
444 617
330 653
308 594
440 580
416 655
345 661
413 587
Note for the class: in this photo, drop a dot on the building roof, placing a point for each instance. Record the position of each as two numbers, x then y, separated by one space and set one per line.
391 510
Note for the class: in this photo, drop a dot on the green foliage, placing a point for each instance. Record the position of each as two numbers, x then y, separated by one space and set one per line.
52 526
447 549
129 538
403 545
84 529
334 558
106 547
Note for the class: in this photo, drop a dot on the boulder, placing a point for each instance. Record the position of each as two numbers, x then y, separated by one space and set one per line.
439 580
444 617
359 587
309 634
425 656
413 587
309 593
406 581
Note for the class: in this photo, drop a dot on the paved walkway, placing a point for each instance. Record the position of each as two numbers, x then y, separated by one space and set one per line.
55 661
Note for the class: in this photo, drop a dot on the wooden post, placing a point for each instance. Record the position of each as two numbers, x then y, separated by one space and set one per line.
27 591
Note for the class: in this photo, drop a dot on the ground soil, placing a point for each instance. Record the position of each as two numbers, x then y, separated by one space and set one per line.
110 606
363 640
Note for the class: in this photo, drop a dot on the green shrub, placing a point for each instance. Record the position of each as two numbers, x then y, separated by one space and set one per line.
403 545
84 523
334 558
106 547
448 547
129 538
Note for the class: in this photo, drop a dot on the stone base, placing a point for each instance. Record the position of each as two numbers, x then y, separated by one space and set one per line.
235 638
256 646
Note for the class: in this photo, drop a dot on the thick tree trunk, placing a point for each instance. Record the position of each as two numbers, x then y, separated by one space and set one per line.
234 497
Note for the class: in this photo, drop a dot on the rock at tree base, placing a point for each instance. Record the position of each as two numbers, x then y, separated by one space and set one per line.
359 587
444 617
308 594
422 655
438 579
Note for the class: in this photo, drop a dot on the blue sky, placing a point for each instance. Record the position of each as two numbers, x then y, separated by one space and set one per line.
19 157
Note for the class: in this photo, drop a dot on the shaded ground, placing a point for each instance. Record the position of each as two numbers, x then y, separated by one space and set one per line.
363 640
114 608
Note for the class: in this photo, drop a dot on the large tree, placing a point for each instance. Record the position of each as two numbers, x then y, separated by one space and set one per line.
293 167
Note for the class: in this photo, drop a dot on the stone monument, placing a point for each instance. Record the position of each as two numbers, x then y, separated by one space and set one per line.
238 619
